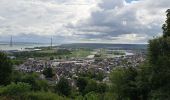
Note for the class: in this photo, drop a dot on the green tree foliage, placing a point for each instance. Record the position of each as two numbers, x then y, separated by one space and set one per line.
17 76
5 69
109 96
92 74
48 72
86 85
159 57
99 76
123 83
101 88
28 54
143 81
63 87
42 85
91 96
31 78
14 91
43 96
91 86
79 97
63 52
51 58
81 84
16 61
166 26
22 91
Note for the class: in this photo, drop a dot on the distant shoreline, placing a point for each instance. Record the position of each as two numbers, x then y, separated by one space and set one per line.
20 46
104 45
24 45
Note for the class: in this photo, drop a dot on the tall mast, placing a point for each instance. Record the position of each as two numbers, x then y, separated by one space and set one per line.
11 44
51 42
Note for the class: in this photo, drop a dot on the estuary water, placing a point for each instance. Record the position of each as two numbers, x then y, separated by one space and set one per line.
20 46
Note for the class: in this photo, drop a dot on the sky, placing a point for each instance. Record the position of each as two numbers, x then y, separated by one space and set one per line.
82 21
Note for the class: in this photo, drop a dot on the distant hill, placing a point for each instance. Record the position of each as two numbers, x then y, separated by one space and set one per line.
102 45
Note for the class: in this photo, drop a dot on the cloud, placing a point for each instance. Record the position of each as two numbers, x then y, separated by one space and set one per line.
110 21
41 17
116 20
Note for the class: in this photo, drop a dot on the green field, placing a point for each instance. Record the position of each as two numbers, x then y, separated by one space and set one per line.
56 53
80 53
103 53
47 51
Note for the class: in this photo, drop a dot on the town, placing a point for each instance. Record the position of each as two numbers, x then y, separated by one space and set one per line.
99 63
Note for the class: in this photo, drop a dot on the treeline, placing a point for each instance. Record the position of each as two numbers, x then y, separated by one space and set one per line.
26 54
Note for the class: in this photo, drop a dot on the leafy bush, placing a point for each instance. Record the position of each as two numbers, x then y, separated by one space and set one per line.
15 89
91 86
48 72
43 96
81 84
124 83
91 96
63 87
5 69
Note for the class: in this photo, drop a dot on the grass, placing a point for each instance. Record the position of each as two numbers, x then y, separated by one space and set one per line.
80 53
105 54
47 51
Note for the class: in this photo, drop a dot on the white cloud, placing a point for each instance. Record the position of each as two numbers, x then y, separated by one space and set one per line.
42 17
82 20
119 18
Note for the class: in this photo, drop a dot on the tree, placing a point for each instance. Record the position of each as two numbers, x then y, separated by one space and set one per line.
5 69
16 89
31 79
40 95
99 76
101 87
143 81
17 76
36 83
124 83
63 87
166 26
51 58
91 86
42 85
91 96
159 55
48 72
81 84
22 91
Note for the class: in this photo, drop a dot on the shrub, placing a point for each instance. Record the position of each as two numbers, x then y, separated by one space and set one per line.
15 89
43 96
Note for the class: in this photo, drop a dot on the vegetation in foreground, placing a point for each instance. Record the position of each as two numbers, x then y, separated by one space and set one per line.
150 81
